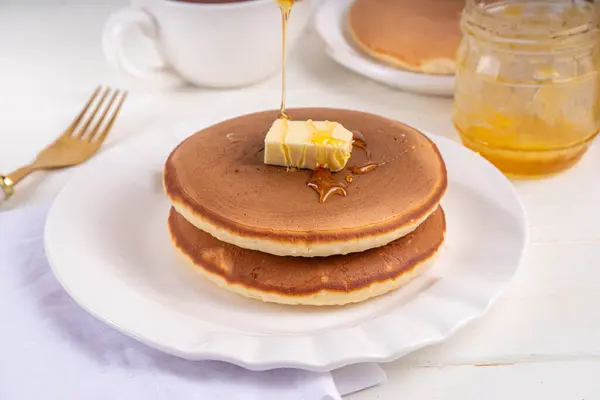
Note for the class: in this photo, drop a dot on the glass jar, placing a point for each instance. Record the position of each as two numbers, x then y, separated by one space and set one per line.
527 94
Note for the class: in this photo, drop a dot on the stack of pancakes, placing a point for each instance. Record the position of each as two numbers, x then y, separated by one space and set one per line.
259 231
417 35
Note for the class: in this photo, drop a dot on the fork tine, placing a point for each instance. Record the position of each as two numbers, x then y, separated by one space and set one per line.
112 119
90 118
71 128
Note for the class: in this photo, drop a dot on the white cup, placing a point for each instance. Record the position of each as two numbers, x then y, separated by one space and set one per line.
215 45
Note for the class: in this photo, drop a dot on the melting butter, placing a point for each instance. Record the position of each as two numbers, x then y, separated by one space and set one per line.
308 144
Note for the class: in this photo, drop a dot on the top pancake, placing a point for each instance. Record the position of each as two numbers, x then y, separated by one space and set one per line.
217 180
418 35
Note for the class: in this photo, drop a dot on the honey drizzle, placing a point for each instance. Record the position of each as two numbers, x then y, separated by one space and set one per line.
358 140
363 169
321 179
326 185
286 8
286 150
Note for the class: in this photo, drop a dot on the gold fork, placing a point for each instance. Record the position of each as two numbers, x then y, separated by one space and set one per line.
78 143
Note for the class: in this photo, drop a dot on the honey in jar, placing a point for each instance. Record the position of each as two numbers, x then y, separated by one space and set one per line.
527 94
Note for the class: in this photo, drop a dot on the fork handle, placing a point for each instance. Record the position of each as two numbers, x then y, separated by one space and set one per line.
16 176
7 183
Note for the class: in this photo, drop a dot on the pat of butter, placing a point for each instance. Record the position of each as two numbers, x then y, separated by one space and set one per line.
308 144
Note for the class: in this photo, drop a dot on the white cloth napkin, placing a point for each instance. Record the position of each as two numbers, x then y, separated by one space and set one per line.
53 350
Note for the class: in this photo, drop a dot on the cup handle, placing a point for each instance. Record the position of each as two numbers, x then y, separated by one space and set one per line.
118 28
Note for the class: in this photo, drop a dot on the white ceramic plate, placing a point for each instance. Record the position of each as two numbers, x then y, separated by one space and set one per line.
107 242
330 23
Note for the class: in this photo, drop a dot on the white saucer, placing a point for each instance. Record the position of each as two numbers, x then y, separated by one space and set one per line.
107 242
330 23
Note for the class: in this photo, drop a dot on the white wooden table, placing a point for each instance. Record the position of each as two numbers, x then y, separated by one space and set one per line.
540 341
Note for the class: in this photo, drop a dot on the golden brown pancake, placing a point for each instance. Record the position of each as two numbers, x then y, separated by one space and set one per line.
217 180
318 281
417 35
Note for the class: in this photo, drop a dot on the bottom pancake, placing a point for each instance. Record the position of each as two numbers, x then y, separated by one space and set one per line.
318 281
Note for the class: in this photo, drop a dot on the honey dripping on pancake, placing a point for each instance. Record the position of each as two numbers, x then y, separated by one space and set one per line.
321 179
358 140
286 8
326 185
363 169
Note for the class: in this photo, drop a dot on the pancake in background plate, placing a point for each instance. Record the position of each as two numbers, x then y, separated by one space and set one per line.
217 180
317 281
416 35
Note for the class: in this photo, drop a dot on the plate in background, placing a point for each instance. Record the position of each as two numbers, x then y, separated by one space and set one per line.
330 23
